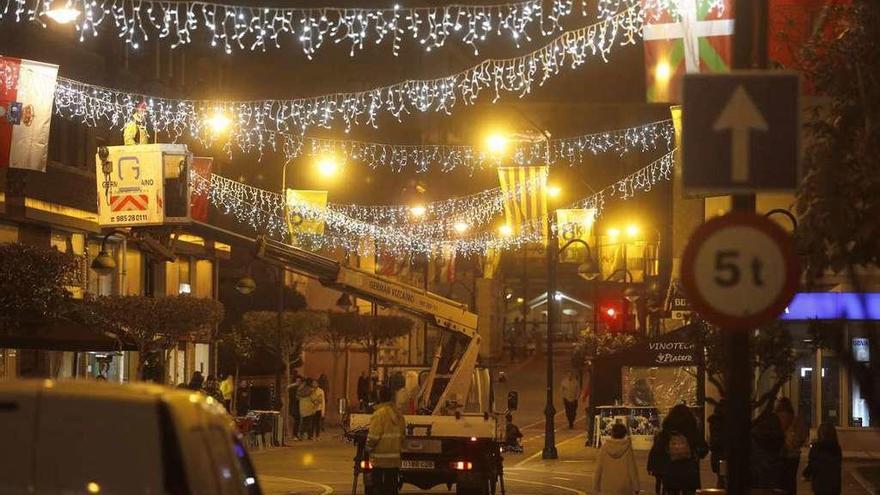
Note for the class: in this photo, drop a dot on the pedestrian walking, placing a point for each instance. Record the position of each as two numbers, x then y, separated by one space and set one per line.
227 389
306 397
293 406
571 389
363 390
196 381
616 471
716 441
658 461
823 462
679 448
795 435
384 443
319 397
765 454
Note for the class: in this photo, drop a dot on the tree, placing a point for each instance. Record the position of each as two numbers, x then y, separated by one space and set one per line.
591 345
283 335
152 324
379 330
341 334
34 285
772 357
838 203
242 347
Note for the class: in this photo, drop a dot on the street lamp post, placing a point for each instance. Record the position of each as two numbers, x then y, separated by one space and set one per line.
549 451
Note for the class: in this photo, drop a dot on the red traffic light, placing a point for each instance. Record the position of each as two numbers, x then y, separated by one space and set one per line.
612 315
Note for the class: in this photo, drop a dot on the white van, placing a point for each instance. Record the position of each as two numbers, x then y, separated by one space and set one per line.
78 437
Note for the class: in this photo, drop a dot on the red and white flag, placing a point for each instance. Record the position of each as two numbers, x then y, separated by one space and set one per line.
694 36
27 90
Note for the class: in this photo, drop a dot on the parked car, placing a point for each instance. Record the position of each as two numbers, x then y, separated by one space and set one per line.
92 437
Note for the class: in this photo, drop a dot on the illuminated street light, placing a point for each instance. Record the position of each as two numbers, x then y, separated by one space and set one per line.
328 166
662 72
418 211
554 191
219 122
63 12
461 227
505 230
613 233
496 144
632 230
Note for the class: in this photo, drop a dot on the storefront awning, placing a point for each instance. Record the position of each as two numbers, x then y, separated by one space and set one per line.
63 336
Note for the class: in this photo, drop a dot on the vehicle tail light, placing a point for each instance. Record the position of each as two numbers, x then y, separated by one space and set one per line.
366 465
462 465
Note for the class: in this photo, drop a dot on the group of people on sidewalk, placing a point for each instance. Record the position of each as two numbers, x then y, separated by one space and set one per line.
221 390
674 460
307 401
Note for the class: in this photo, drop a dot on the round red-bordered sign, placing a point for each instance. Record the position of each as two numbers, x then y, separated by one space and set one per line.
766 246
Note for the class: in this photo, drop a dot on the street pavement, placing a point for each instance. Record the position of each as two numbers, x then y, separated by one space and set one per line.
325 466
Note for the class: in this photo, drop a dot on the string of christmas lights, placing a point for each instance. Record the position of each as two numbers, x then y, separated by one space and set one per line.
263 211
242 27
254 125
432 220
644 138
656 9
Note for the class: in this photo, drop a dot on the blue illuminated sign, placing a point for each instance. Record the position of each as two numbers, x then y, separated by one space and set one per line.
833 306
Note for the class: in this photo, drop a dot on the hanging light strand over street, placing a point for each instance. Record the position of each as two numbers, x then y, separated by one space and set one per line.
239 27
256 123
263 211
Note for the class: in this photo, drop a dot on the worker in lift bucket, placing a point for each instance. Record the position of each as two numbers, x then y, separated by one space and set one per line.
135 130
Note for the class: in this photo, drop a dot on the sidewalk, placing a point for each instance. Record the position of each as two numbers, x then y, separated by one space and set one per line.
578 462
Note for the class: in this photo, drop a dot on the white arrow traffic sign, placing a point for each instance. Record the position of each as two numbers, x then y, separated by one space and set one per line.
741 117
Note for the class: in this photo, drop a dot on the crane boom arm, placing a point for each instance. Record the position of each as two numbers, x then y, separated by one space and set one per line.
452 368
439 310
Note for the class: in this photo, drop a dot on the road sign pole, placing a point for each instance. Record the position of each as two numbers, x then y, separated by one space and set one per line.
750 51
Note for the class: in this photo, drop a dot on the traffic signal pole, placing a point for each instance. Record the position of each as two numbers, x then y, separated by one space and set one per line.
750 52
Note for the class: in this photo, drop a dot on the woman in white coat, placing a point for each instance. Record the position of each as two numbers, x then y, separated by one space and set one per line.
616 471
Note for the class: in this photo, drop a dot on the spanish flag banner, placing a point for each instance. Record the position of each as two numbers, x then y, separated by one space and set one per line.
306 211
525 199
575 224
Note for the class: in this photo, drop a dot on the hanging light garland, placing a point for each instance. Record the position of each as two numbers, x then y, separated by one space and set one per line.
643 138
263 211
656 9
243 27
254 125
434 220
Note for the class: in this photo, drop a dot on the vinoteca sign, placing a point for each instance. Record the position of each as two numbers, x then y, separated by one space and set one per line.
673 352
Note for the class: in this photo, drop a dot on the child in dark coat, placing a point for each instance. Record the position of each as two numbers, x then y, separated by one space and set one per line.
823 466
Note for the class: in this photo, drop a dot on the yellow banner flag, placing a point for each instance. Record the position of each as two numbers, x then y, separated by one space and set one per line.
575 223
307 210
525 199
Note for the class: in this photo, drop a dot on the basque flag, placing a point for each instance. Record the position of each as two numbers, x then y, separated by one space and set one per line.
696 37
27 90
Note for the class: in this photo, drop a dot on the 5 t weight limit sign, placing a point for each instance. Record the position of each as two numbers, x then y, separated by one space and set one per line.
739 270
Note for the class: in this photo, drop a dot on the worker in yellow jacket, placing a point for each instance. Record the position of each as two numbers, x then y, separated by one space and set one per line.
384 442
135 130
